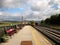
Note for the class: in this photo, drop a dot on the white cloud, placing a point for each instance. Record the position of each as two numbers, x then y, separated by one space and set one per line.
13 3
35 8
1 13
16 14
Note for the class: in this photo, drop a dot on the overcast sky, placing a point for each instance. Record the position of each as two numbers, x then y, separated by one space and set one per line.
29 9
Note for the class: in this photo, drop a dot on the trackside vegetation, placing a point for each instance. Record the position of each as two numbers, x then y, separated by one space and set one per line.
53 21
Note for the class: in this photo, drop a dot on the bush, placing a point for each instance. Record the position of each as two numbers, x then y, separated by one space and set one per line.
3 39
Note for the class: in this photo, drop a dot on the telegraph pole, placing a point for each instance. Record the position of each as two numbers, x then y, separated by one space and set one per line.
22 20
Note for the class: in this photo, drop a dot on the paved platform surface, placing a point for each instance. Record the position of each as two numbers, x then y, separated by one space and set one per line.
28 33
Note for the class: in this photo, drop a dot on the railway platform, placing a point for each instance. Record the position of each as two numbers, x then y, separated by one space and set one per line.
28 36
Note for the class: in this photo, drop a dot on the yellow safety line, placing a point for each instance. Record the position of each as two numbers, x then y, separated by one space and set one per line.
36 41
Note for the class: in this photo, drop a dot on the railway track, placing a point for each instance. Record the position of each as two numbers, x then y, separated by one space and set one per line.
54 35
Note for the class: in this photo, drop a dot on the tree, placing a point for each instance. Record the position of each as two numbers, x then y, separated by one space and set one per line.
54 19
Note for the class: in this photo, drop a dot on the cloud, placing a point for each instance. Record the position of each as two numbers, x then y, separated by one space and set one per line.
12 3
30 9
1 13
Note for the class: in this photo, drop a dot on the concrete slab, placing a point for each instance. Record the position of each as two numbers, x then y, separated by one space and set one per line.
28 33
23 35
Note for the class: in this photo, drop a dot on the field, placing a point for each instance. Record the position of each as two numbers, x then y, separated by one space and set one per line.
9 23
